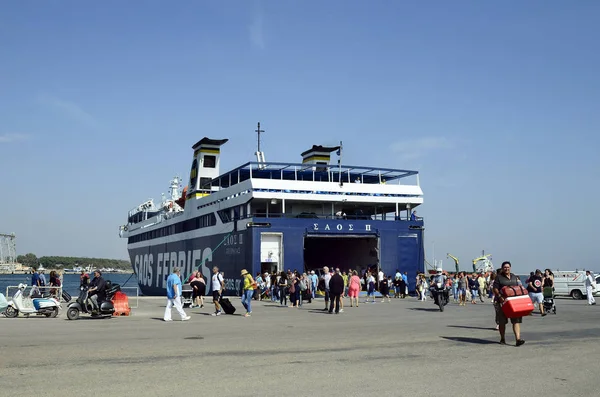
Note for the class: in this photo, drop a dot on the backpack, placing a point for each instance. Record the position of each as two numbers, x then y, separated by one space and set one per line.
302 286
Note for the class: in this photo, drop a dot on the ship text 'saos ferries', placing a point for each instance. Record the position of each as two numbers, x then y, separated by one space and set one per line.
267 217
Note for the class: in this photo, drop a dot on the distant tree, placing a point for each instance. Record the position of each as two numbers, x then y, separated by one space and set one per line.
28 260
68 262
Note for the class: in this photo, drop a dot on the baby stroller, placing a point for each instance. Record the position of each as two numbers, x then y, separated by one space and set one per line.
186 295
265 293
549 300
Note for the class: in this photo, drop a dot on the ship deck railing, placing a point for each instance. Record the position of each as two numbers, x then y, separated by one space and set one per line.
311 173
305 215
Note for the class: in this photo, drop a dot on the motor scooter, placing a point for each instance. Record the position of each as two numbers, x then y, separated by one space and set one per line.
48 307
83 305
3 303
440 294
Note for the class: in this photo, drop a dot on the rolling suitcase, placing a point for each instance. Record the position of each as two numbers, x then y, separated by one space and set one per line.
226 306
66 296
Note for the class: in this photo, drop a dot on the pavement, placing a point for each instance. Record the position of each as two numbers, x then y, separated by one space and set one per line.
402 348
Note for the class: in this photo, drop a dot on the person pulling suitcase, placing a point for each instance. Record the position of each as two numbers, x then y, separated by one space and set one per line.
217 285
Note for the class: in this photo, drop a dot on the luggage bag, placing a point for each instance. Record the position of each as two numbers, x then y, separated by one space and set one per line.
66 296
226 306
517 306
517 290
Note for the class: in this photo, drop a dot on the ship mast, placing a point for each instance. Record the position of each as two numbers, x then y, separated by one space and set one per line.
260 156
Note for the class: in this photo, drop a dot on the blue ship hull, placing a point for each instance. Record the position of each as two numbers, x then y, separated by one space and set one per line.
305 244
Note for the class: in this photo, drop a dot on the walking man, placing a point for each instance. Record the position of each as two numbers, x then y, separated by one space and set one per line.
217 290
326 279
534 287
481 281
174 296
336 288
313 283
589 287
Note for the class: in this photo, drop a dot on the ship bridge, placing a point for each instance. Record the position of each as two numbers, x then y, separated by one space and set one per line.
304 190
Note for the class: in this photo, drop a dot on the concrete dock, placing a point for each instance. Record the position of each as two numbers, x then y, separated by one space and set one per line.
402 348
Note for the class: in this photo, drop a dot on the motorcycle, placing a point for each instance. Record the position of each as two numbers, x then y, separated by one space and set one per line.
83 305
441 295
43 306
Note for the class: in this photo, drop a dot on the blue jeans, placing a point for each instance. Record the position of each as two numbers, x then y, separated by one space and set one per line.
247 299
455 292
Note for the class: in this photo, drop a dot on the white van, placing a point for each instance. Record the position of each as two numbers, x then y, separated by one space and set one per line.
572 283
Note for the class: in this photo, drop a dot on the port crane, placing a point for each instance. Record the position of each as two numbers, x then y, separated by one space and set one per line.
455 259
483 263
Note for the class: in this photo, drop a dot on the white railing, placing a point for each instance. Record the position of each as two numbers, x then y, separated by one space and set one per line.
55 292
133 294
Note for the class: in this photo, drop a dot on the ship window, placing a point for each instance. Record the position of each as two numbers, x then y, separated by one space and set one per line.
181 227
205 183
224 215
210 161
320 169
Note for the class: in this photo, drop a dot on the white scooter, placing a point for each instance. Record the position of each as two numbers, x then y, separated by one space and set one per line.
3 303
48 307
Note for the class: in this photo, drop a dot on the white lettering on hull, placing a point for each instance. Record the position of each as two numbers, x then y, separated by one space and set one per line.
166 261
339 227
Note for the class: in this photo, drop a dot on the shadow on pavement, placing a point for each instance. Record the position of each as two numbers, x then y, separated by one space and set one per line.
318 311
86 318
476 341
276 305
423 309
469 327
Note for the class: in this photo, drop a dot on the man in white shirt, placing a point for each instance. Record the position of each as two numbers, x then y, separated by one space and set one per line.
326 278
217 290
589 287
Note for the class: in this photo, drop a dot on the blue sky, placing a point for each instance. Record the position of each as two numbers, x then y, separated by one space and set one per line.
495 103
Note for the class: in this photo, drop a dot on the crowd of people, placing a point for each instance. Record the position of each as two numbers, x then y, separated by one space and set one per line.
335 285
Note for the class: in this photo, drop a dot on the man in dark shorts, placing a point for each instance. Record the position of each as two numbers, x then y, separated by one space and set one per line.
217 285
506 279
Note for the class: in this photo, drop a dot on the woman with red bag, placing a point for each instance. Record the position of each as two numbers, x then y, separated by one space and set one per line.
506 279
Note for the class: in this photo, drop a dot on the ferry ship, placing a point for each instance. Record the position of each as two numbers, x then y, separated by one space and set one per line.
272 216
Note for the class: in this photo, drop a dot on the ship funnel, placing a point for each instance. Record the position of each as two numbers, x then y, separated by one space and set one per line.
205 166
319 155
